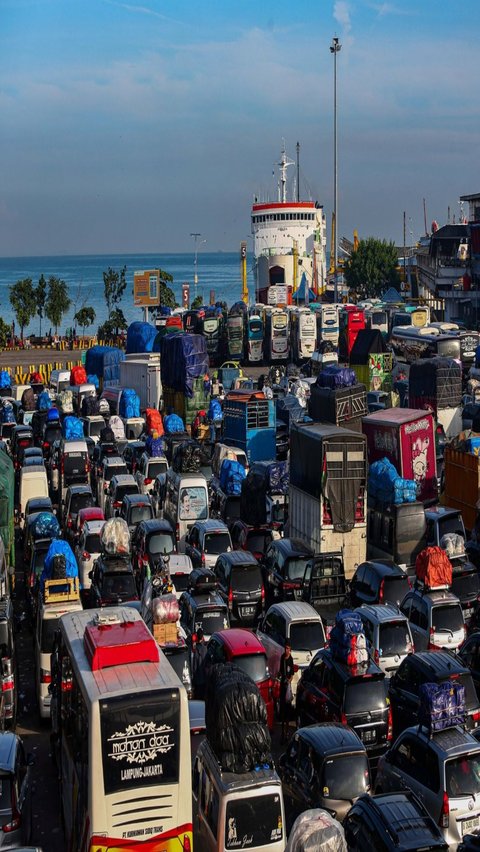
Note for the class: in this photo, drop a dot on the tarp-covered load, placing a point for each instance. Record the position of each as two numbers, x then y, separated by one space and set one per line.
187 457
236 720
117 426
184 358
343 406
165 609
153 421
129 403
92 379
78 375
107 435
28 400
453 545
90 406
386 486
140 337
368 341
72 428
435 382
154 446
59 562
5 380
115 537
316 831
336 377
53 415
64 401
232 474
7 414
44 401
103 361
263 478
46 526
433 568
348 643
172 424
442 705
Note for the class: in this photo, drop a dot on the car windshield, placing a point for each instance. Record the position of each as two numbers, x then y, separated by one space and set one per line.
447 618
95 427
471 700
180 581
257 542
80 501
49 627
450 525
5 793
306 635
295 568
92 543
362 696
395 588
462 776
38 561
246 578
253 821
179 660
121 491
162 542
232 509
119 585
114 470
466 585
156 467
394 639
254 665
216 543
74 464
346 776
211 620
52 433
141 513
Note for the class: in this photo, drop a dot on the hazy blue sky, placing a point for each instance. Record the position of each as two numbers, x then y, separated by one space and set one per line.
127 125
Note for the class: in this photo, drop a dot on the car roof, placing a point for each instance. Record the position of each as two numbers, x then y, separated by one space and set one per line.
436 596
292 547
156 525
148 458
211 526
138 498
353 672
295 611
452 742
383 567
8 750
205 600
438 663
239 557
404 819
91 513
113 460
79 489
240 641
381 613
331 738
123 479
75 446
440 511
93 526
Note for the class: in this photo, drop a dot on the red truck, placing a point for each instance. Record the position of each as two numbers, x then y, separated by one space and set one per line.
405 436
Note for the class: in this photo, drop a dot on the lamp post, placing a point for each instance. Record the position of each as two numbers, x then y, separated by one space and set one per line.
335 48
195 262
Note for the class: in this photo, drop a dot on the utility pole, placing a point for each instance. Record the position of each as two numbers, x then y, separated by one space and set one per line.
335 48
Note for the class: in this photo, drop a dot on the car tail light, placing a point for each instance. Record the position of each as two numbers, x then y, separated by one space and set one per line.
85 555
431 644
147 481
445 813
389 725
16 820
230 599
45 676
203 560
376 656
117 504
410 647
177 532
45 445
343 719
381 592
476 717
69 523
187 846
262 593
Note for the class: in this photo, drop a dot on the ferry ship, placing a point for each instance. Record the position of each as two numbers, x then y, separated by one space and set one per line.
289 243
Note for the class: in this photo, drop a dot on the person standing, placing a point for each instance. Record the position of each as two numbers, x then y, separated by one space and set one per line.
198 665
285 674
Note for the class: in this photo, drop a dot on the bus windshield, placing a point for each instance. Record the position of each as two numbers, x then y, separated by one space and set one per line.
140 740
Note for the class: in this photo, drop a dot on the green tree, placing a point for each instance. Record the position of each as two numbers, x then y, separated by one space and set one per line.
5 332
372 268
85 318
41 297
23 302
197 303
58 301
114 284
113 325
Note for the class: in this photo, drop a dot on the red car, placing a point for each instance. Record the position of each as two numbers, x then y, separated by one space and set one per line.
254 539
93 513
241 646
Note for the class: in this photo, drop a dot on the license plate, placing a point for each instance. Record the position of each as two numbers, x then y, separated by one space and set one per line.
248 610
469 824
297 593
368 736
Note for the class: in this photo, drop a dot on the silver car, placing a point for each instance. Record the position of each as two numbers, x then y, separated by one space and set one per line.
436 619
388 635
443 771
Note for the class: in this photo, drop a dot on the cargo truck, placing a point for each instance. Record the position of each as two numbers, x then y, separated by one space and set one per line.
142 373
327 505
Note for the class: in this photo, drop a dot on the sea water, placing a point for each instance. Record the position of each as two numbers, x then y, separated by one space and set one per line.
83 274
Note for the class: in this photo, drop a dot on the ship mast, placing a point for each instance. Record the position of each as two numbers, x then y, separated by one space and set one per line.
282 183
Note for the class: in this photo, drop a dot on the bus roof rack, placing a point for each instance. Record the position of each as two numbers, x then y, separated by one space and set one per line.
109 641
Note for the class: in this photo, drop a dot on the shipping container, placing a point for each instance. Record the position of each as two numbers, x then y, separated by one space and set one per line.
249 422
143 375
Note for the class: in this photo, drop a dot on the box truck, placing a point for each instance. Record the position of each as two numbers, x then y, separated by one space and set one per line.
143 375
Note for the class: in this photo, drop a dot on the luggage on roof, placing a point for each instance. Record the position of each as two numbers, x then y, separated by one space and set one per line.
232 474
66 566
65 401
336 377
72 428
187 457
107 435
44 401
117 426
90 406
5 380
433 568
115 537
153 421
78 375
28 400
442 705
172 423
129 403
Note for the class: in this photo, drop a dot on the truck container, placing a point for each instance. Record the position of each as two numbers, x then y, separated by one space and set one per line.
397 532
327 506
405 436
462 483
371 361
143 375
435 384
341 406
249 422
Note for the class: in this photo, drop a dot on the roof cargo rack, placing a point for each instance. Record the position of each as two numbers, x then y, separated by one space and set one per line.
61 591
112 641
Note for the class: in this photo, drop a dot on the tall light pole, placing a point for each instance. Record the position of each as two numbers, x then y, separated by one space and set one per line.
335 48
195 262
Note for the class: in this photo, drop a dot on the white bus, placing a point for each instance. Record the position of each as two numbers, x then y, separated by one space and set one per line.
122 736
276 340
303 326
327 323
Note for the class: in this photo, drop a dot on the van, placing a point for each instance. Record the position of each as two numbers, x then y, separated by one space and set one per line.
229 808
58 598
222 451
112 395
79 392
17 391
59 380
92 426
33 483
186 501
74 465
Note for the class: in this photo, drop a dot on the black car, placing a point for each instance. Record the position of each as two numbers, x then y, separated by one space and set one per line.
113 582
284 569
76 497
207 611
391 822
428 667
325 766
240 584
466 586
136 508
9 674
52 431
331 691
132 454
469 655
150 541
378 582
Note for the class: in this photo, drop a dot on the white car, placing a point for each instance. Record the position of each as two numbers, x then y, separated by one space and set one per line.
299 622
148 469
111 466
88 550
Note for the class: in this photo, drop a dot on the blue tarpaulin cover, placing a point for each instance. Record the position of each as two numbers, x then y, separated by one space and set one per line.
59 546
184 358
46 526
44 401
232 474
7 413
140 337
129 403
386 486
5 380
72 428
173 423
93 379
102 360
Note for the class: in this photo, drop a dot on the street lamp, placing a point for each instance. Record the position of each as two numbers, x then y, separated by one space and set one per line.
335 48
195 262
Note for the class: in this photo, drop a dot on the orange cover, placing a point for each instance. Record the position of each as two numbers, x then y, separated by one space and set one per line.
154 420
433 567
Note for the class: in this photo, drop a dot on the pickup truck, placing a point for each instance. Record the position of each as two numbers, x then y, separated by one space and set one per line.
324 585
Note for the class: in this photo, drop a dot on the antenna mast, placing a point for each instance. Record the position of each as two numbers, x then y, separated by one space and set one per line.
282 184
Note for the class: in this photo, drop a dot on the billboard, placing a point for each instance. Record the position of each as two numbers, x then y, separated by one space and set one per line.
185 295
146 288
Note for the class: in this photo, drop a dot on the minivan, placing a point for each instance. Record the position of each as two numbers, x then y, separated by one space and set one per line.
227 807
33 483
62 597
74 465
240 584
186 501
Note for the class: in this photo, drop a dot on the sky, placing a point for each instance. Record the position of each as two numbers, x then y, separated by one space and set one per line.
127 126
